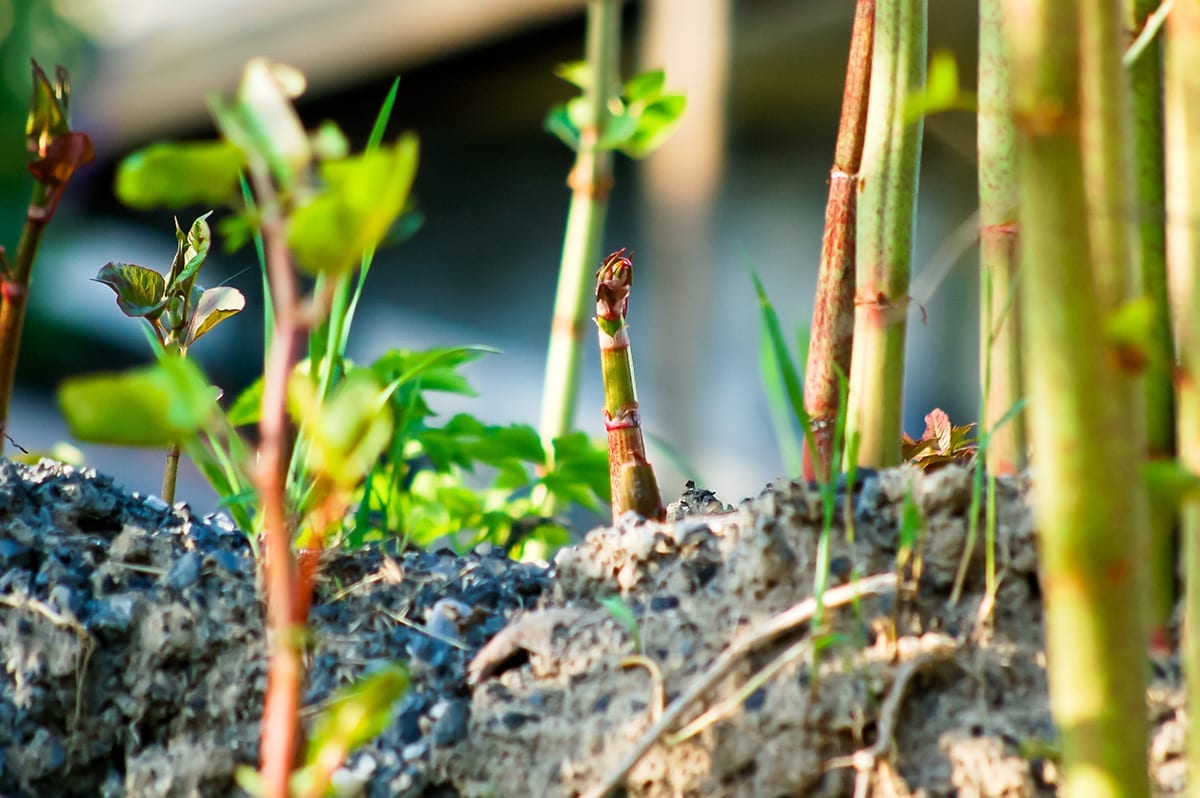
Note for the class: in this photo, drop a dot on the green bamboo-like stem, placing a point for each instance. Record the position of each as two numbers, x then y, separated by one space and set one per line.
1182 79
833 309
999 337
1145 75
886 216
285 673
631 476
14 295
590 181
1091 536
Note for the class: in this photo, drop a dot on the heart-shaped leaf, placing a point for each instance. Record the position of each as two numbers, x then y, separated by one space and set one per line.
140 291
176 174
215 305
361 199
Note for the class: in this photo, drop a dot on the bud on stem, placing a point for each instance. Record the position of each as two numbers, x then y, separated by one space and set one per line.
634 486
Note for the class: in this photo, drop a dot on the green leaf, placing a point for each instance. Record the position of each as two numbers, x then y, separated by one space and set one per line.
1170 483
153 406
558 122
328 142
941 92
382 118
247 408
362 197
355 716
577 73
623 614
655 123
645 86
172 175
141 292
190 254
620 128
214 306
349 431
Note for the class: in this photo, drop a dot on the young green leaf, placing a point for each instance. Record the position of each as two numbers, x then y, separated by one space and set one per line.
558 123
141 292
647 85
655 123
942 91
362 197
193 249
155 406
269 120
176 174
348 432
47 118
355 716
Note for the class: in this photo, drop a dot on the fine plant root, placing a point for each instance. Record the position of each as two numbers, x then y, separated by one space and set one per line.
867 761
658 700
721 666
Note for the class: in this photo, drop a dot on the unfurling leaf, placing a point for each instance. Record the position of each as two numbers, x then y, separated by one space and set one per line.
141 292
214 306
187 173
165 403
362 197
937 429
47 118
270 128
189 256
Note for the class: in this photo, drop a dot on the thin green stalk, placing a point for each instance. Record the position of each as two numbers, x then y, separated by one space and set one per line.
833 309
1145 75
14 295
999 326
634 486
1182 79
590 181
1092 542
886 218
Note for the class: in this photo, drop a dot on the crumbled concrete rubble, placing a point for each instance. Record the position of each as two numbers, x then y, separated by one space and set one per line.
132 641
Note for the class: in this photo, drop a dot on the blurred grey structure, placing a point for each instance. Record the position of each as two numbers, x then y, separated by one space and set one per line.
742 184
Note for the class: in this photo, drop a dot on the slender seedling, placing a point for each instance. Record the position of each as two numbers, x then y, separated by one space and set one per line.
59 152
634 486
833 308
886 217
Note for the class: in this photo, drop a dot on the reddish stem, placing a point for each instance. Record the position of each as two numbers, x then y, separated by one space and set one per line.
833 312
285 673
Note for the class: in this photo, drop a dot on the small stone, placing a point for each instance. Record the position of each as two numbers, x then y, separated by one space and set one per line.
452 725
185 572
13 555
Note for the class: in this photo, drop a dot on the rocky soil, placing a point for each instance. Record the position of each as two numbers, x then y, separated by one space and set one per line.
132 641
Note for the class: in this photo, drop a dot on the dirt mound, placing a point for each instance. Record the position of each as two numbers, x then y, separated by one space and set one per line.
132 640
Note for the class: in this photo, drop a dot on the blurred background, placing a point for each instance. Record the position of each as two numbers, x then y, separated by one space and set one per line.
741 184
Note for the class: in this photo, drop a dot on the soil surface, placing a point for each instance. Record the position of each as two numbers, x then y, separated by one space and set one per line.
132 641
